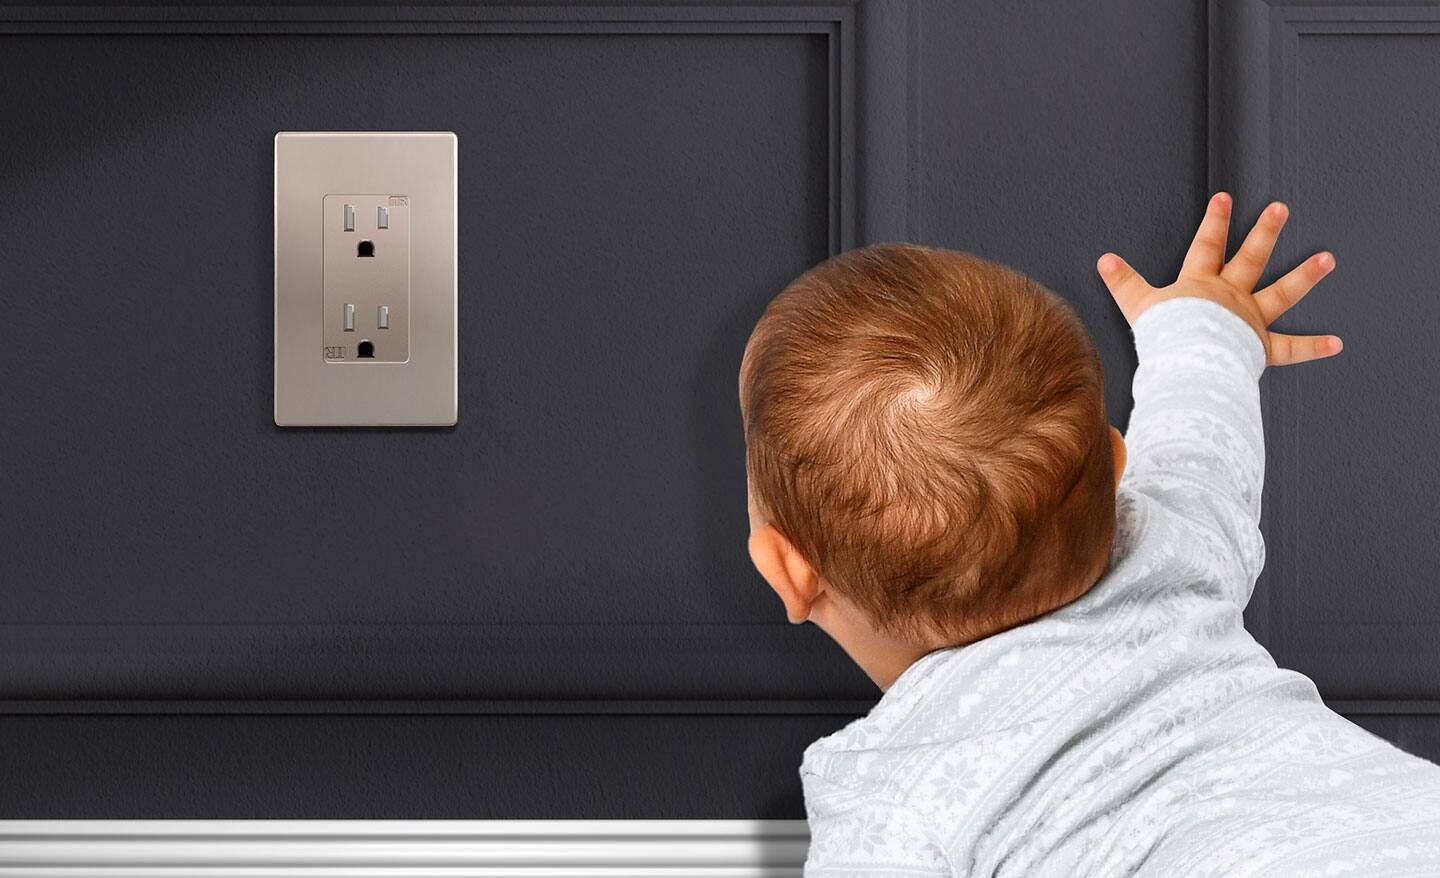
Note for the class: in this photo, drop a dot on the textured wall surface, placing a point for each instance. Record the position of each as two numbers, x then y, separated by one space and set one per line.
547 610
620 231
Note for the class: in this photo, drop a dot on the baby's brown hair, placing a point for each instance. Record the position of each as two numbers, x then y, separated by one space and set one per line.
928 430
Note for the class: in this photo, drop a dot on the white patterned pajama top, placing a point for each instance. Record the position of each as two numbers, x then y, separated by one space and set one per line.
1139 730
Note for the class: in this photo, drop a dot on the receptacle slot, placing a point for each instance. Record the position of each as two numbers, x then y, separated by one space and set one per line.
367 294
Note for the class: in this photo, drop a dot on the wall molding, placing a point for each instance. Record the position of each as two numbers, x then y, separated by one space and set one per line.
835 20
1255 142
871 128
491 848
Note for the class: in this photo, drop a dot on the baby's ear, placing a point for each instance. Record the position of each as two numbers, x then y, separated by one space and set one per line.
1119 452
787 571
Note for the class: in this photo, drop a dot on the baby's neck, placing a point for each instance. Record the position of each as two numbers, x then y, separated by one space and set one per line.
887 670
882 658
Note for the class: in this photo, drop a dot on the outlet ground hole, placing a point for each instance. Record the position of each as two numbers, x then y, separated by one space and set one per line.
365 350
366 248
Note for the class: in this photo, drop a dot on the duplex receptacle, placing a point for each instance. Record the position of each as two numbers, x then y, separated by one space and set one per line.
367 279
366 285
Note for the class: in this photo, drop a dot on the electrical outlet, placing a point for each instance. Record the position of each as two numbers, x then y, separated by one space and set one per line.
365 279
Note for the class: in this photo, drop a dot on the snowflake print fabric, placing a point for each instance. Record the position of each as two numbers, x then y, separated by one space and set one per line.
1139 730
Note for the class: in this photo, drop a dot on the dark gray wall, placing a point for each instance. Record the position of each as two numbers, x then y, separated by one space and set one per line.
547 611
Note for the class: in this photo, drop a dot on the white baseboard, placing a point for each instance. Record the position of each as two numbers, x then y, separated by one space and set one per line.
451 848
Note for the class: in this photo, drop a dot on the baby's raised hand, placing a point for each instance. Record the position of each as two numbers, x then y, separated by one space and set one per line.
1207 275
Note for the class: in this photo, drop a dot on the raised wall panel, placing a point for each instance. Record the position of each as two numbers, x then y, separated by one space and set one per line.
632 192
477 620
1332 108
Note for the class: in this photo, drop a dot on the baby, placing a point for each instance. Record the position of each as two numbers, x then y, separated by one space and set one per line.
1053 610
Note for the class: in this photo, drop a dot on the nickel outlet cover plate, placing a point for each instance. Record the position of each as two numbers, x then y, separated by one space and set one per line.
412 378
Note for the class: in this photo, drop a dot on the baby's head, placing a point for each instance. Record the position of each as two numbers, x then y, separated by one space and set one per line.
928 453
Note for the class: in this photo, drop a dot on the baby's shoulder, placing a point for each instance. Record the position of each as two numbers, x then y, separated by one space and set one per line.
951 711
1161 555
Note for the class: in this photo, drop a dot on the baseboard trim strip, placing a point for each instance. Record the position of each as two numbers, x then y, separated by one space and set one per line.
452 848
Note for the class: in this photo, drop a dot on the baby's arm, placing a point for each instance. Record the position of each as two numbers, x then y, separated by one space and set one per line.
1195 439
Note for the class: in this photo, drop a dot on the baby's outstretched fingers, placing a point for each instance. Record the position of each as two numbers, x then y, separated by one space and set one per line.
1282 295
1245 267
1206 255
1288 349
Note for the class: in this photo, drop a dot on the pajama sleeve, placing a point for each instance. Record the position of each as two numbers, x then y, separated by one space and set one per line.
1196 441
854 834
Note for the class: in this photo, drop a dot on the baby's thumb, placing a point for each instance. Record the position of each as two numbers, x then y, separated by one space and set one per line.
1125 283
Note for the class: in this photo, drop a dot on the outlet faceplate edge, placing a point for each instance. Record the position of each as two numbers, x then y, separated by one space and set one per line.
422 388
